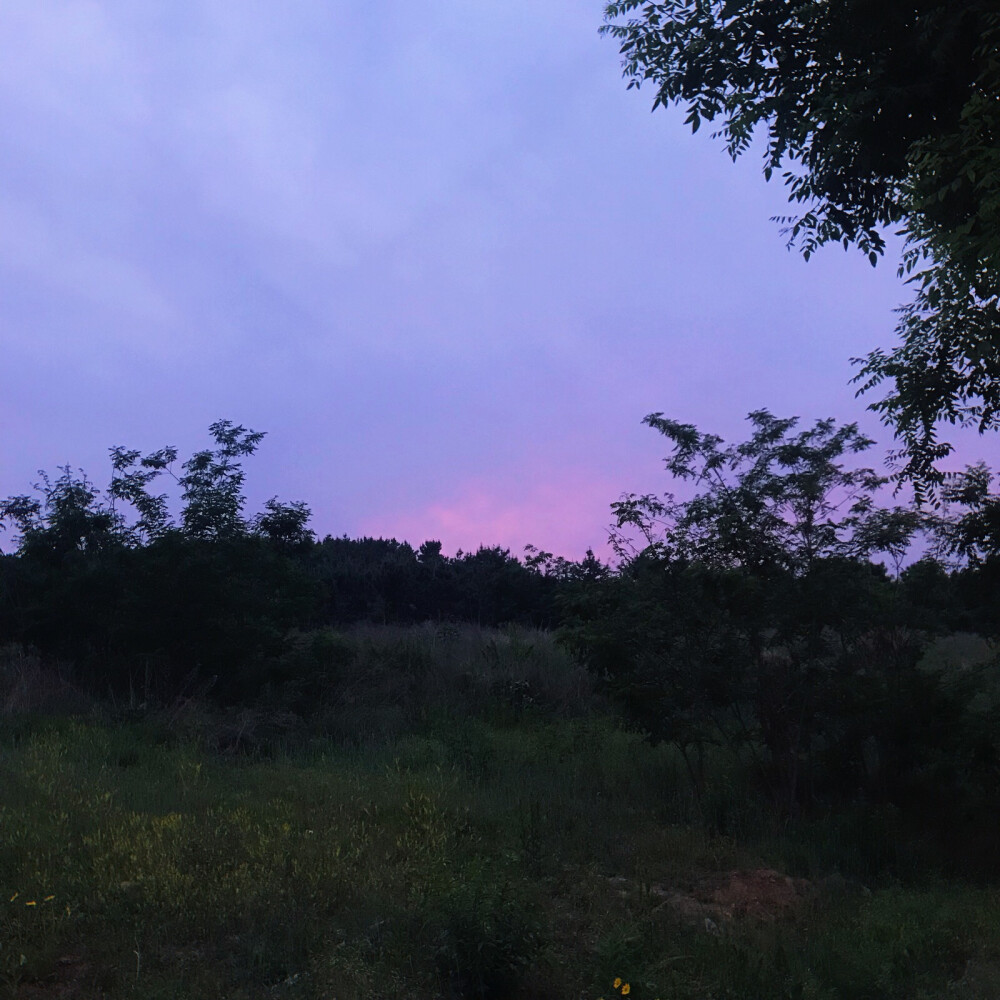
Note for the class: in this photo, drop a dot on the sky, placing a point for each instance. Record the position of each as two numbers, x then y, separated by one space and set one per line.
436 250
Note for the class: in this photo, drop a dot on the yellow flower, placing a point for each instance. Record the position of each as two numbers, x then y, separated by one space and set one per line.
48 898
617 982
31 902
12 898
626 989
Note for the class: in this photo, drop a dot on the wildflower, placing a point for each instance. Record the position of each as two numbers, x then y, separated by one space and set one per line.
31 902
48 899
626 989
617 982
12 898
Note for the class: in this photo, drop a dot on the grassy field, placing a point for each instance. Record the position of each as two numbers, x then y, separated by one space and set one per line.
518 843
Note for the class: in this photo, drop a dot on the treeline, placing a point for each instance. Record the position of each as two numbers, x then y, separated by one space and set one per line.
130 598
772 616
755 628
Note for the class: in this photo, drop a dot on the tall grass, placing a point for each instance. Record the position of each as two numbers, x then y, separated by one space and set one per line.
473 843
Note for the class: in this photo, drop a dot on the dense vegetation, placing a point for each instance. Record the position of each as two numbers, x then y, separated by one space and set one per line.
134 601
474 857
874 115
758 756
758 614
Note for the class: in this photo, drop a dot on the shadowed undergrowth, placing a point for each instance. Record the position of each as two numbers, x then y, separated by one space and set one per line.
467 858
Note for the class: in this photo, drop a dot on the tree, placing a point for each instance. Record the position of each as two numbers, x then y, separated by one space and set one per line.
110 582
68 517
968 522
131 477
878 114
779 502
284 524
213 483
735 614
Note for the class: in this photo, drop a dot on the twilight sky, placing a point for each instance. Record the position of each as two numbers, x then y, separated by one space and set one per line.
435 249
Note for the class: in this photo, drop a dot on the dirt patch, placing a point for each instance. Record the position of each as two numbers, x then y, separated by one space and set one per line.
761 894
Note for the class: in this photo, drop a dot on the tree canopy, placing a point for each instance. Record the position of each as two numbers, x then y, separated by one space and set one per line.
877 114
779 502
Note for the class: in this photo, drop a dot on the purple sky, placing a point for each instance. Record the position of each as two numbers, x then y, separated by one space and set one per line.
436 250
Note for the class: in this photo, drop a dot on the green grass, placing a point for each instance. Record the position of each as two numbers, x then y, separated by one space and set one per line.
468 858
455 816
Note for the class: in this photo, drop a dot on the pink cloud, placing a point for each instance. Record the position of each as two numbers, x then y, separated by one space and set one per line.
565 516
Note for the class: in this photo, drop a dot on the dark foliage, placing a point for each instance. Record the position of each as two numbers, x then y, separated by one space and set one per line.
748 623
148 608
844 88
877 114
752 623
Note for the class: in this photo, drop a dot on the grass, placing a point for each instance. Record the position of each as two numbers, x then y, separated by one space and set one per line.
502 852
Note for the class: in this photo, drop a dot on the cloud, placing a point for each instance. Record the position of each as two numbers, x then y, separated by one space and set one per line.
59 56
566 514
424 242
